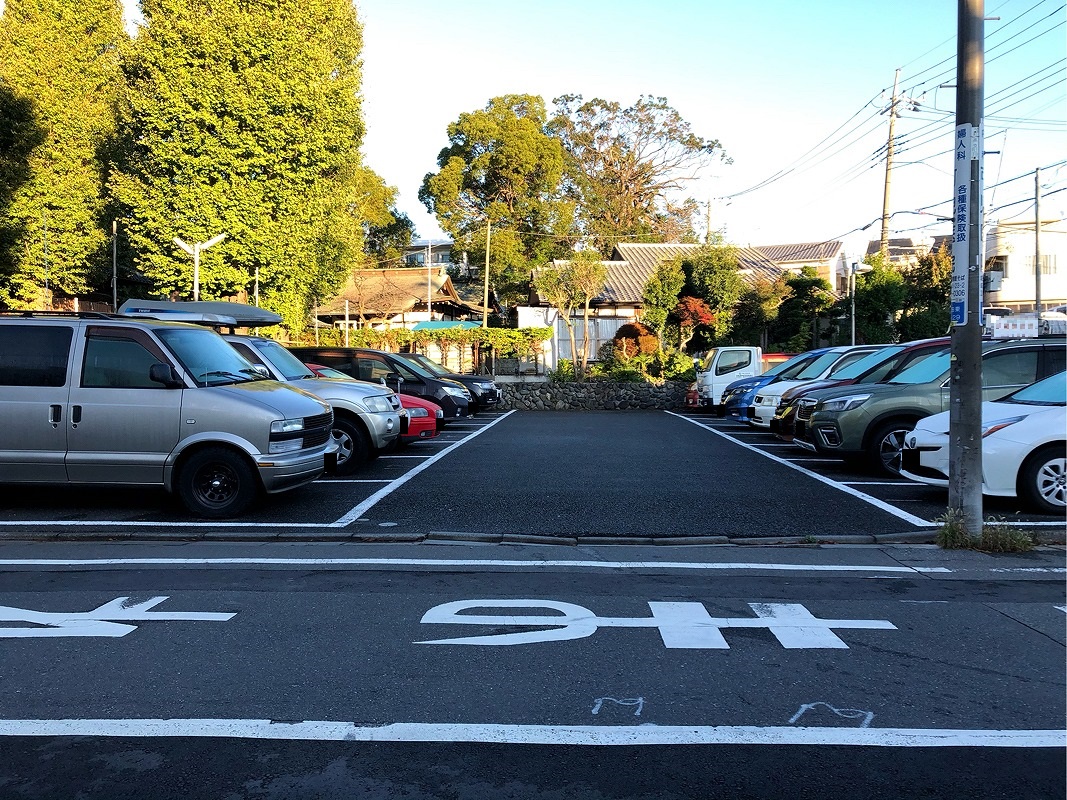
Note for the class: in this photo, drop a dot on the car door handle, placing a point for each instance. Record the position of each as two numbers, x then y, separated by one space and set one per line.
55 415
75 416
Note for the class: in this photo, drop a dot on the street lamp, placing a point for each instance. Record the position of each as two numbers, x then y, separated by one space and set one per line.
194 251
853 269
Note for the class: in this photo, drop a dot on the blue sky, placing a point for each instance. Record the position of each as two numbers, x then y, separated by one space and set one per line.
770 80
783 85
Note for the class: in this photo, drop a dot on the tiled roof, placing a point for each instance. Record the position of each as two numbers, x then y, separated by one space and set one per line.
807 252
898 248
386 292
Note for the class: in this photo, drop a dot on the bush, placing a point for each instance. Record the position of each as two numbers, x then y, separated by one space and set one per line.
634 339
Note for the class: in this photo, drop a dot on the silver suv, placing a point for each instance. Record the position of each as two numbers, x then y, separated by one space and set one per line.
101 399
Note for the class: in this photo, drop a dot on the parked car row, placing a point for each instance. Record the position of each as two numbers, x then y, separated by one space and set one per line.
155 395
861 404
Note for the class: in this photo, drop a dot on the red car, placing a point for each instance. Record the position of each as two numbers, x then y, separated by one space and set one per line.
424 419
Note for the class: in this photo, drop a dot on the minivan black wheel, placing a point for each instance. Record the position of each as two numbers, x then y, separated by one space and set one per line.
1043 479
887 446
217 483
353 447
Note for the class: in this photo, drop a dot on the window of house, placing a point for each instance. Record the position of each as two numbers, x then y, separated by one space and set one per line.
997 263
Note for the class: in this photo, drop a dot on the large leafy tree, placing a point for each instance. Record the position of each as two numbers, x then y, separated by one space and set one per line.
757 310
501 168
880 295
58 79
569 285
712 276
926 308
627 168
660 294
244 117
797 327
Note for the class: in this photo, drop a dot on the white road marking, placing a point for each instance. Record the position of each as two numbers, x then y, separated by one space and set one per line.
98 622
878 483
385 491
381 458
355 480
461 562
681 625
874 501
865 717
534 734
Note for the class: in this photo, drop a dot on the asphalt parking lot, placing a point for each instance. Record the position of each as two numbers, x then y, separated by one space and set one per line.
642 476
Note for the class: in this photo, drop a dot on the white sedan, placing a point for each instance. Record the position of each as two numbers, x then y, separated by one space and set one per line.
1023 446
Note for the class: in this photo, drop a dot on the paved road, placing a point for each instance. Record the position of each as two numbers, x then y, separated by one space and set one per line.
638 475
320 671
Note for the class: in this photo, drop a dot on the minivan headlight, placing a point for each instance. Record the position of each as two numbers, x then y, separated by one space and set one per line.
846 403
287 425
455 391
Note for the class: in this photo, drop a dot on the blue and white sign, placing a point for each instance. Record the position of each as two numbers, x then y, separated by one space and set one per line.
968 149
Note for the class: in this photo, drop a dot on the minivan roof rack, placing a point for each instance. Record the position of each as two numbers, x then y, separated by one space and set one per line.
205 312
59 313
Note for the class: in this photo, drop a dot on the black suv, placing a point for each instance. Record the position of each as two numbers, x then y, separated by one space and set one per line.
398 373
483 388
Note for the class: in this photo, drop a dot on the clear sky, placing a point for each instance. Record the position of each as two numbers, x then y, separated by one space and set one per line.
789 87
781 84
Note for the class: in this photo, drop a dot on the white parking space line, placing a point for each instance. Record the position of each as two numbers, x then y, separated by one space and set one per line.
425 456
385 491
354 480
594 735
880 483
874 501
300 563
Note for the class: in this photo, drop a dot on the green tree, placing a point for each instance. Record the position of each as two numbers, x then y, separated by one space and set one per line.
58 79
502 168
569 285
627 167
387 238
797 326
244 117
712 276
926 308
691 313
880 296
757 311
660 294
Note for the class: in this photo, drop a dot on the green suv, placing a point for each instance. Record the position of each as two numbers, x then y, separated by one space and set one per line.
868 423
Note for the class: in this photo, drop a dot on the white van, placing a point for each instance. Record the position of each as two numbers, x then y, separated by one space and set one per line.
96 398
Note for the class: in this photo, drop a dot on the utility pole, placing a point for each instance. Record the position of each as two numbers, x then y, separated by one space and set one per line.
1037 245
485 286
429 282
965 374
115 266
883 246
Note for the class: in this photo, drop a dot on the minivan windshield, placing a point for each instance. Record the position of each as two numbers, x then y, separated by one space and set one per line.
425 362
791 368
926 371
1051 391
207 356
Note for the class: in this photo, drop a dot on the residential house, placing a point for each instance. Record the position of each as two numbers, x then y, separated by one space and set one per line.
621 301
396 298
1011 250
902 252
827 258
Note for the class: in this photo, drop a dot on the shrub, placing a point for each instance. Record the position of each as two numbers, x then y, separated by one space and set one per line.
633 339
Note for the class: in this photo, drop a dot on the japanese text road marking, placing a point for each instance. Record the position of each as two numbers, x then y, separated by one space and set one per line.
98 622
681 625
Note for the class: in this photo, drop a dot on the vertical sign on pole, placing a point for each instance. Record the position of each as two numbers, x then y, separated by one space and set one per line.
968 150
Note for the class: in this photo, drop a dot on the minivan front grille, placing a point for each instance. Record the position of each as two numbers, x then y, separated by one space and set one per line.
317 429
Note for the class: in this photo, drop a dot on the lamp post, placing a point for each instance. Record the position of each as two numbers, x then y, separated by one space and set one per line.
194 250
856 267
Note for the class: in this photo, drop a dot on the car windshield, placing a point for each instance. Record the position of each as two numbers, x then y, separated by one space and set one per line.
817 367
426 363
790 369
208 357
869 361
1051 391
926 371
291 367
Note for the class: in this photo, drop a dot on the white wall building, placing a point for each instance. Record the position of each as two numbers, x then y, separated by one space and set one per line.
1011 249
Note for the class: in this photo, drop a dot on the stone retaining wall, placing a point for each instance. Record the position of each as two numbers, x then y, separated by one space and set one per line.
592 396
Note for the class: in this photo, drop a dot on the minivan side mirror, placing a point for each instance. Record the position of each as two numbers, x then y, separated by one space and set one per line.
165 374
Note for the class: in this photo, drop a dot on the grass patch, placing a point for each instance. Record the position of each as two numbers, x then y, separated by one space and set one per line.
996 536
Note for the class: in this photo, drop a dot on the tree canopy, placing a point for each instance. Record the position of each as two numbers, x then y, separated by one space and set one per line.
59 76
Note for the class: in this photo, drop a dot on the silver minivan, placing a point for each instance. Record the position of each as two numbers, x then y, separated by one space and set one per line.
367 417
99 399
